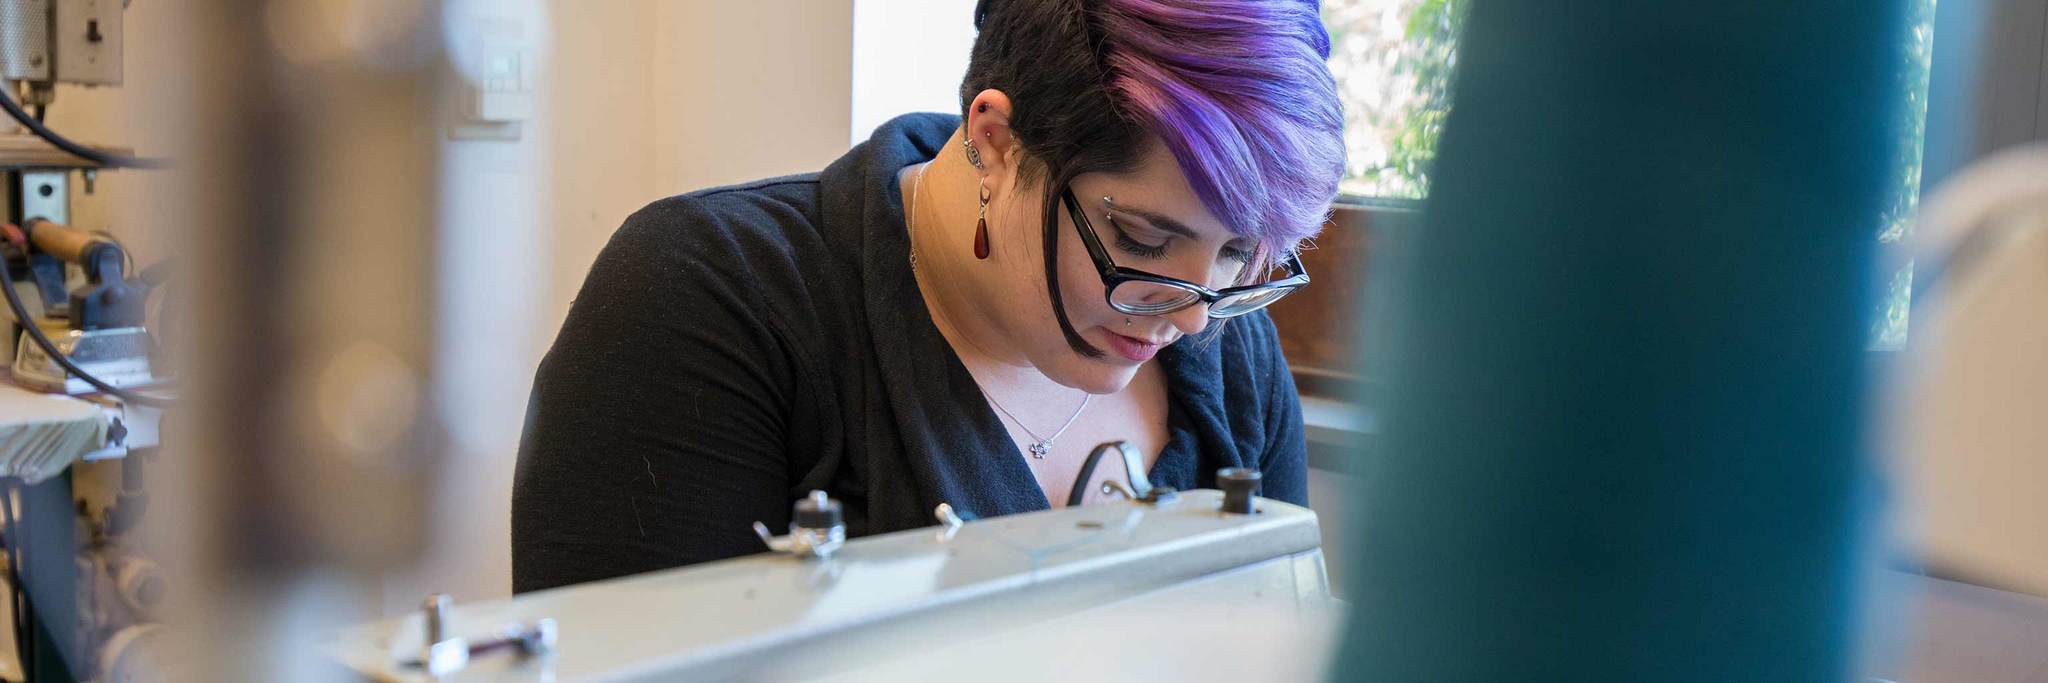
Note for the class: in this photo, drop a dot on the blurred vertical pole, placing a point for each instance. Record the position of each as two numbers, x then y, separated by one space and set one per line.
1624 357
304 190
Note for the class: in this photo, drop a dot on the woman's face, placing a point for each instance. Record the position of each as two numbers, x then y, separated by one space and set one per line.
1148 219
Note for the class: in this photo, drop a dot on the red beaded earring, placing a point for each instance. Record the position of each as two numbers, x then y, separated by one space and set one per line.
981 226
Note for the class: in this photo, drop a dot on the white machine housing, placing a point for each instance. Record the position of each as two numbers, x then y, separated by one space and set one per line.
1178 591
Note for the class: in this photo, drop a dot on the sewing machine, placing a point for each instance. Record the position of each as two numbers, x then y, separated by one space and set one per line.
1164 584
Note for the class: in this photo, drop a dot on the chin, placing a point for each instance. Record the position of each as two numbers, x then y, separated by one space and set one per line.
1094 375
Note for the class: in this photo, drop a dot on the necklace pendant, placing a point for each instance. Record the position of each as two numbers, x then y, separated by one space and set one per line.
1038 450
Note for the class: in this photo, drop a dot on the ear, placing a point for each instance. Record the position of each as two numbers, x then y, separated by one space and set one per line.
988 129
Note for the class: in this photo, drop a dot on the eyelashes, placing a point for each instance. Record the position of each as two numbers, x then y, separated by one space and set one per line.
1135 247
1139 249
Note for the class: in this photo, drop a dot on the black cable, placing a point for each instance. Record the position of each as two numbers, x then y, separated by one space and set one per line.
107 159
35 333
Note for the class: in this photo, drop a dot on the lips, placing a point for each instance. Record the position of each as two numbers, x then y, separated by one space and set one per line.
1134 349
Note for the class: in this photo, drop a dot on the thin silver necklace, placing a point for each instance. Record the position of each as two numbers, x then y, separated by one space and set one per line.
910 224
1040 445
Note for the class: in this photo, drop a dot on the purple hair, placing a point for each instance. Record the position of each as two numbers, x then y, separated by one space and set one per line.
1240 92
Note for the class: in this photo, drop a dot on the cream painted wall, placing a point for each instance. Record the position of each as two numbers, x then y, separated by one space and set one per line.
750 89
600 160
659 98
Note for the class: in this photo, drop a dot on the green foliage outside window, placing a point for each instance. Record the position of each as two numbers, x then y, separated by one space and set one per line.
1393 61
1889 330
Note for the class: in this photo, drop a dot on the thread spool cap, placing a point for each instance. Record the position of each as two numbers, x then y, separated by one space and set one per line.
1240 485
818 511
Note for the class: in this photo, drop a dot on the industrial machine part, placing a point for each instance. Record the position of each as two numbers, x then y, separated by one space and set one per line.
949 521
133 654
1240 488
1141 582
1140 488
40 434
445 653
47 42
105 338
76 41
817 527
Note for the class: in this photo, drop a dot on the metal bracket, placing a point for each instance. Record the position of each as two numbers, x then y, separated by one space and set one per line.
949 521
445 654
1156 495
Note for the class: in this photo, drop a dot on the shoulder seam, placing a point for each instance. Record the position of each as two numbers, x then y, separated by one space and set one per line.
761 185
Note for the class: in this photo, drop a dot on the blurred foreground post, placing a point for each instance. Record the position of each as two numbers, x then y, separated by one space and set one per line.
304 188
1624 355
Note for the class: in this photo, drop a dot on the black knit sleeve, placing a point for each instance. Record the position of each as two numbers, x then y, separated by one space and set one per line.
655 431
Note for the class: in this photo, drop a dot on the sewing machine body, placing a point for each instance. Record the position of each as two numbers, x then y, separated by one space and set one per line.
1146 586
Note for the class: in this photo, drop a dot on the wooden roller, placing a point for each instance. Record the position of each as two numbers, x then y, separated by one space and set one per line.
62 241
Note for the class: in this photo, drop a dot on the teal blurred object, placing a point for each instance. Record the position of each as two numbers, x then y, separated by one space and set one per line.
1623 354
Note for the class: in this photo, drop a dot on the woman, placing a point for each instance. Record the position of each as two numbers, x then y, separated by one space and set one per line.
927 321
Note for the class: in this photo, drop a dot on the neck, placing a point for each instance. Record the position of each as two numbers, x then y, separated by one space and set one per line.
958 288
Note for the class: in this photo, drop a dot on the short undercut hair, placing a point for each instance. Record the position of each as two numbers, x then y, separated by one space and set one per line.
1239 91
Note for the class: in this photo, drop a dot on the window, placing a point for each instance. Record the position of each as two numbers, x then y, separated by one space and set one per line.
1889 330
1393 61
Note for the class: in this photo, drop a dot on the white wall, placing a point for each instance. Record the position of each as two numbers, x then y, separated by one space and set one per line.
908 55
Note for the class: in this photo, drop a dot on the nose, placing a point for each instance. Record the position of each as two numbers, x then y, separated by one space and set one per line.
1193 319
1190 320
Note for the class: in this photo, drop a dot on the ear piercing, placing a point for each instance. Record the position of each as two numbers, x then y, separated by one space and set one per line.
973 155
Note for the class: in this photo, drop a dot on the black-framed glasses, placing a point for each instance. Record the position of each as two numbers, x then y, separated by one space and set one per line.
1137 292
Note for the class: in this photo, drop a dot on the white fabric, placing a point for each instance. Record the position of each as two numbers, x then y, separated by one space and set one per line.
41 434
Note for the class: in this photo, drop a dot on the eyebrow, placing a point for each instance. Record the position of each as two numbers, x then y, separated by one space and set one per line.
1164 222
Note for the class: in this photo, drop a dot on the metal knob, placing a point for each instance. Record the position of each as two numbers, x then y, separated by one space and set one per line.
1240 486
949 521
819 511
817 527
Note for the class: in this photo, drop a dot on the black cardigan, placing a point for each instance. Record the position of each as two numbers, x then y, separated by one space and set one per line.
736 347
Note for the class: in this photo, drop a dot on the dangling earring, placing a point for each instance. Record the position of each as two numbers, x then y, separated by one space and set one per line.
981 226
